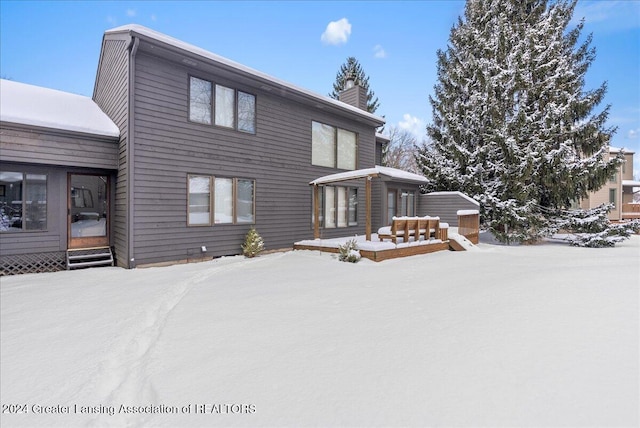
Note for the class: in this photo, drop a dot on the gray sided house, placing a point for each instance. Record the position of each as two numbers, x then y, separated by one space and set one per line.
192 151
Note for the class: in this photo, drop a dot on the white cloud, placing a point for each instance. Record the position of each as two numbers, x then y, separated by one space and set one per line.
337 32
379 52
131 13
633 134
611 15
412 124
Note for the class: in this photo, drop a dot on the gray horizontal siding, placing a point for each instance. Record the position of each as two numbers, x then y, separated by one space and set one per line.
444 206
111 94
54 238
168 147
38 147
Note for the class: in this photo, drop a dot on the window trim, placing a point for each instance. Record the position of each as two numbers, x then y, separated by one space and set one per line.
323 205
336 135
255 115
234 197
213 106
24 202
189 224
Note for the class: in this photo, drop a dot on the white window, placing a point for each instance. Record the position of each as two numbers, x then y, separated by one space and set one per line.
323 151
346 149
199 100
199 200
333 147
338 207
329 207
217 200
244 201
223 200
202 101
225 106
246 112
407 203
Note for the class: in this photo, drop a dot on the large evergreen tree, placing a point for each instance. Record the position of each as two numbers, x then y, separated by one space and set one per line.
513 126
353 68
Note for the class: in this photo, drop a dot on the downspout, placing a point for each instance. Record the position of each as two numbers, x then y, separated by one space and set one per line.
133 48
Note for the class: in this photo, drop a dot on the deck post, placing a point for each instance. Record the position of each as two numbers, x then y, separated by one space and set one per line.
316 213
368 208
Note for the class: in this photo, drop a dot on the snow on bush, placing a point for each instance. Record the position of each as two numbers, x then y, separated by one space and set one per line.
348 252
592 228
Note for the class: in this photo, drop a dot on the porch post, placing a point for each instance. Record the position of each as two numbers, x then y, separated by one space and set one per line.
316 213
367 188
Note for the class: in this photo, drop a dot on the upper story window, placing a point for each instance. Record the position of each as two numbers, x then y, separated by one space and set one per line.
333 147
222 106
200 100
23 201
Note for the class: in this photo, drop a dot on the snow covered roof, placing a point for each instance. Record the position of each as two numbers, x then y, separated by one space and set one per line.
160 37
393 173
382 137
462 195
620 149
49 108
631 183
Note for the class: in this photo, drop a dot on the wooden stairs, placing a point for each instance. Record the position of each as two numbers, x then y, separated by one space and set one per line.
89 257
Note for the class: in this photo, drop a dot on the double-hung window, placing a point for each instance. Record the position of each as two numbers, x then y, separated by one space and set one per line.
213 104
219 200
333 147
23 201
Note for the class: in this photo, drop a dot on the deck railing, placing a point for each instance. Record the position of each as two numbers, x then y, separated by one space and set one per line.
469 224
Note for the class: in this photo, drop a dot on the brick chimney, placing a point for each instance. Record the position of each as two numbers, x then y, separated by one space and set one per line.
353 94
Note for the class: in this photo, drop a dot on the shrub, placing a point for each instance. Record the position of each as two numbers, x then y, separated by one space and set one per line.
253 243
348 252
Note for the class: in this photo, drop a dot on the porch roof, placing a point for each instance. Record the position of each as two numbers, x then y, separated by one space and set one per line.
377 171
630 183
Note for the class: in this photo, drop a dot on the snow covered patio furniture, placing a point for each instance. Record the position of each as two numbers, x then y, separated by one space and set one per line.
411 227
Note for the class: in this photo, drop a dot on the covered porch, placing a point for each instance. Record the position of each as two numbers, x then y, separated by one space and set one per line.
371 246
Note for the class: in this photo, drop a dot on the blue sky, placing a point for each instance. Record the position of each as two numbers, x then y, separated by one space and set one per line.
56 44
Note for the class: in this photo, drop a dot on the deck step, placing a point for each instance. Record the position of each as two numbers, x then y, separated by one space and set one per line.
88 257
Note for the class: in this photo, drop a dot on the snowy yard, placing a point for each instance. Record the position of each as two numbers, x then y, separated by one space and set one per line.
542 335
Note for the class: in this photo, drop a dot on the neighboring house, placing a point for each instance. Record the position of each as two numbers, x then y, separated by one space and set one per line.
619 190
202 149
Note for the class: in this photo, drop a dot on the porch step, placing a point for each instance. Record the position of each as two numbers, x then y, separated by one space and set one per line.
88 257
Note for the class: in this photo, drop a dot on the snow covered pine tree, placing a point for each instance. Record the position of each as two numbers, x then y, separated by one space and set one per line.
512 125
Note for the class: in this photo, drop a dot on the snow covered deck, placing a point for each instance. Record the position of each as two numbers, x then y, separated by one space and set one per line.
374 249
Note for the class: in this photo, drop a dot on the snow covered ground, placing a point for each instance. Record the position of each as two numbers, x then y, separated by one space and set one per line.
543 335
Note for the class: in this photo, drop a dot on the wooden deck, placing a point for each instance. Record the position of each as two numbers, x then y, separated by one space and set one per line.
378 255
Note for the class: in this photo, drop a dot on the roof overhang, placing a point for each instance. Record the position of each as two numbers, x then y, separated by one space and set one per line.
385 173
201 59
